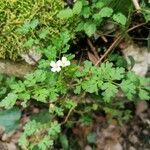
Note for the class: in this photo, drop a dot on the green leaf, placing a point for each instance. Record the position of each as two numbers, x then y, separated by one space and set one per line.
65 14
45 143
9 119
50 52
64 141
90 86
86 12
24 29
40 75
29 43
89 28
97 17
44 33
9 101
77 89
106 12
70 104
99 4
117 73
34 23
54 129
86 119
77 7
42 117
31 127
41 94
144 95
3 91
110 91
128 88
80 27
24 97
120 18
18 87
91 138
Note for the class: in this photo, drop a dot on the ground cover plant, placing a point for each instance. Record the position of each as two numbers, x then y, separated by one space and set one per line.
78 76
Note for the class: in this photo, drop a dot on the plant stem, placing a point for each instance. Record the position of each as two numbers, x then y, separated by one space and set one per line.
136 5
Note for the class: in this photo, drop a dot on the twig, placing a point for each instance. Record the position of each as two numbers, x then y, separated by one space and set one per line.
136 5
109 49
93 49
104 39
134 27
67 116
117 42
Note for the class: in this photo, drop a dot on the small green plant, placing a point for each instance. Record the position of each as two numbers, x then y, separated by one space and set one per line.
53 87
60 86
92 14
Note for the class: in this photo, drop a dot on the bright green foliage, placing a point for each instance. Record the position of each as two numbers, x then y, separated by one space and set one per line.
48 27
105 12
65 14
110 80
42 131
92 14
120 18
53 90
9 101
109 91
77 7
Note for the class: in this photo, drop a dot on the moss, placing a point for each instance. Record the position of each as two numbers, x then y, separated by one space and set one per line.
14 13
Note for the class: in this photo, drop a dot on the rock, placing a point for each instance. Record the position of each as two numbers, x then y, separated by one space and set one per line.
88 147
145 132
32 57
17 69
149 59
131 148
6 137
133 139
116 146
3 146
140 56
11 146
112 146
141 107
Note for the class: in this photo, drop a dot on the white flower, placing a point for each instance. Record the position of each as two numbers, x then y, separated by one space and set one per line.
55 66
63 62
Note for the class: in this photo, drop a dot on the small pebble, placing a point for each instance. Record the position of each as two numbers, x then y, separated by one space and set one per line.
131 148
145 132
133 139
116 146
88 147
141 107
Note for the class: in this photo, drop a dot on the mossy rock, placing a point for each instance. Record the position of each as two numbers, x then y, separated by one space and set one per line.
22 21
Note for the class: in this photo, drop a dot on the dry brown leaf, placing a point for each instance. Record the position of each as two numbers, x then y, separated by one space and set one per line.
92 58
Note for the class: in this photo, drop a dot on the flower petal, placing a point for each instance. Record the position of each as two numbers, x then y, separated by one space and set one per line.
58 69
59 63
52 64
68 63
64 59
53 69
